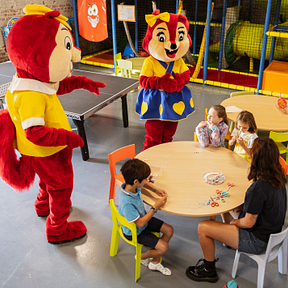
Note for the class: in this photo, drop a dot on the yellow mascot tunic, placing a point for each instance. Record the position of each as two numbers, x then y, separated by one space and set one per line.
38 106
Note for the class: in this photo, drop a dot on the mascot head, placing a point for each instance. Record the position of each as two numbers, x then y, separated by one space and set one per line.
167 37
40 45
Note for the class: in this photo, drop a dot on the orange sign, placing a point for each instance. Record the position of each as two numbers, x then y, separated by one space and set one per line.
92 20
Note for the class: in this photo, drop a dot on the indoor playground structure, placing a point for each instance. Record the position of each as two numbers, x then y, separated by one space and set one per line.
237 44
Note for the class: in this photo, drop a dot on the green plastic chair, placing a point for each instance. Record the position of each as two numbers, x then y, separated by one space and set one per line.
117 231
279 138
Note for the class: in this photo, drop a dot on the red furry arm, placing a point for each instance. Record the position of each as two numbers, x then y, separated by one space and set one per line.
182 79
165 83
45 136
76 82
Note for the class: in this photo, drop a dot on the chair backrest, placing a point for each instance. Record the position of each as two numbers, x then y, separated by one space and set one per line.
118 155
116 217
274 244
206 114
116 58
126 67
278 137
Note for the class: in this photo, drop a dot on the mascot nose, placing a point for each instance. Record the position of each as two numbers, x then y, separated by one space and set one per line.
173 46
76 54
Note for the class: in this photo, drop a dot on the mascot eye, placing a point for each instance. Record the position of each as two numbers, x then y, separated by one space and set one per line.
90 11
67 43
181 36
94 10
161 37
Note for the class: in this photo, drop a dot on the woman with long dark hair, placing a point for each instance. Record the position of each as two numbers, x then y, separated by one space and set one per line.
263 213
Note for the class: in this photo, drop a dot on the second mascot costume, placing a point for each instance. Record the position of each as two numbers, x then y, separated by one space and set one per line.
164 99
41 47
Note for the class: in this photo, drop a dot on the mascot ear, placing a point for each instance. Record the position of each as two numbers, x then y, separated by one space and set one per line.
156 12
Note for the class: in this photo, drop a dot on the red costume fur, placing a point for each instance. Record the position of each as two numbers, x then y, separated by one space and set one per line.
31 46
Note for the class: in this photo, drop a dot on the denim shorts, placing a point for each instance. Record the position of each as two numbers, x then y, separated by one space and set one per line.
146 237
248 243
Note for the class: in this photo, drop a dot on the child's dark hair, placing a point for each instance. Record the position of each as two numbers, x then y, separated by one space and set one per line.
221 112
247 117
265 162
135 169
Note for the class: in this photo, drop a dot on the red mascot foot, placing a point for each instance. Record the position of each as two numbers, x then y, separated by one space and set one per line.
75 231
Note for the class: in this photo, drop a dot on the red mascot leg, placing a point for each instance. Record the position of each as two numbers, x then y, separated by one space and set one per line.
57 173
42 201
169 131
154 132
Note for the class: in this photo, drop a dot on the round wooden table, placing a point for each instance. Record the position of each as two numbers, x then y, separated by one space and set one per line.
184 164
267 116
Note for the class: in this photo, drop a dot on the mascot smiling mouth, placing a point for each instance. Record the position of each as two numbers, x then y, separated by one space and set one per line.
93 22
172 53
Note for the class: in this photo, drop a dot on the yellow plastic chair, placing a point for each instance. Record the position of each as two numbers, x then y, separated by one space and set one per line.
126 67
277 246
117 231
117 57
279 138
113 158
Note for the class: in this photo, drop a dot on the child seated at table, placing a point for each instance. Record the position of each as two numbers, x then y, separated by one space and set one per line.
244 134
214 130
262 214
136 173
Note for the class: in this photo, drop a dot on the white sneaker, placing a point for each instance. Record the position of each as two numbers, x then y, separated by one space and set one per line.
159 267
144 262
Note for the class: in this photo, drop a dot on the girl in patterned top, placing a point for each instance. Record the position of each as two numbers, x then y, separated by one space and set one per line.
214 130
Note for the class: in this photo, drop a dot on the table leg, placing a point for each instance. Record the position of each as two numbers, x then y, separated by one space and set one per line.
213 218
81 131
124 111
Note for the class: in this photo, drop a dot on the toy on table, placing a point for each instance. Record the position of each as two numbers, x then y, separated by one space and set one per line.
41 47
164 100
214 178
282 105
155 170
220 195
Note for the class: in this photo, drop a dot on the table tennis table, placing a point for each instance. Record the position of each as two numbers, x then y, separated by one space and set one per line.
81 104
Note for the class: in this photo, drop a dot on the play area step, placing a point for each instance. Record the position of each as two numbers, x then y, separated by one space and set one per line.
275 77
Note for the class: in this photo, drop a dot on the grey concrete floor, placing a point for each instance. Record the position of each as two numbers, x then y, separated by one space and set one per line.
28 260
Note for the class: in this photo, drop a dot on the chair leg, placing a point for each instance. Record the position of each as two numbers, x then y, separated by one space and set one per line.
235 264
138 262
114 240
282 258
261 273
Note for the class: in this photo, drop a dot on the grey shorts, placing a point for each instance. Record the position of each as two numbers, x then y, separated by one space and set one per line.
248 243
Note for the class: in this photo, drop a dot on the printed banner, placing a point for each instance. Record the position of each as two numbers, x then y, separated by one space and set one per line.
92 20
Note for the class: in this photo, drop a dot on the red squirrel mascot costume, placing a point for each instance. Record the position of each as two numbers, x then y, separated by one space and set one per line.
41 47
164 99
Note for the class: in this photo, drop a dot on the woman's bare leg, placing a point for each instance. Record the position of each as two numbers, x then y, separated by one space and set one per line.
209 231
